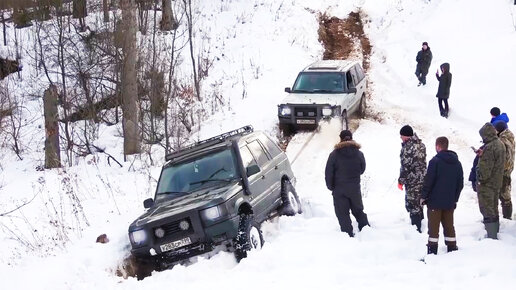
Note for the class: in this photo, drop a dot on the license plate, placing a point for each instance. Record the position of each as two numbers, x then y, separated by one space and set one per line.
305 121
175 244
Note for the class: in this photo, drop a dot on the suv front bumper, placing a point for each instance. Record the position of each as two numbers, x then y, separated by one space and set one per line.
306 114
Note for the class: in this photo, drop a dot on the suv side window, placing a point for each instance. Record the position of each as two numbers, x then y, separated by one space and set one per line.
270 146
258 153
349 80
247 157
360 72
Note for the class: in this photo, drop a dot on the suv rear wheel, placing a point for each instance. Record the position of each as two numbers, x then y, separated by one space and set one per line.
290 199
249 236
362 107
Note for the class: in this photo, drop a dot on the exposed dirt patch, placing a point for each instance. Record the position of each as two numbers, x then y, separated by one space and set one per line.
344 38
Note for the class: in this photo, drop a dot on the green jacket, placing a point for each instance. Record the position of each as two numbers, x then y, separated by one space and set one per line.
491 163
507 138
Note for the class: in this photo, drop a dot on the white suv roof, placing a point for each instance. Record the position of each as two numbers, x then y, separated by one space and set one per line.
330 65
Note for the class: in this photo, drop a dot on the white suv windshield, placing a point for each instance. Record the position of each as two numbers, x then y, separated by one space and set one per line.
319 82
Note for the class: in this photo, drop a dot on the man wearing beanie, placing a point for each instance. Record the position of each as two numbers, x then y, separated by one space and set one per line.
343 169
412 173
423 58
496 116
507 138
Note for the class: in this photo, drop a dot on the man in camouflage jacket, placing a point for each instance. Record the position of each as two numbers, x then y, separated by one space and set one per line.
507 138
412 173
490 171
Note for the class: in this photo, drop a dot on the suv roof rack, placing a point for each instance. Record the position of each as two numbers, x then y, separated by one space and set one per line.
210 141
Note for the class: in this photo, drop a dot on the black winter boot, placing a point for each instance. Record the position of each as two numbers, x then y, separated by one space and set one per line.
431 249
507 210
416 220
452 248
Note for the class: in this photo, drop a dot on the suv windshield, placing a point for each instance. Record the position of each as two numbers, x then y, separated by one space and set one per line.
215 168
319 82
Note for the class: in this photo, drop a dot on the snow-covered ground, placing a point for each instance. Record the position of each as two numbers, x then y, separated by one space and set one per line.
263 44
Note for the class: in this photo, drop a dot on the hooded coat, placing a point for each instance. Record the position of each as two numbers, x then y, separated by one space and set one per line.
491 163
444 181
445 79
507 138
501 117
343 169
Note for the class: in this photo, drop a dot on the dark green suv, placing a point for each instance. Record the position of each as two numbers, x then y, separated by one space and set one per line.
216 192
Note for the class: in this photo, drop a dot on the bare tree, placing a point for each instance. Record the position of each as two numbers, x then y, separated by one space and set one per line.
105 8
168 22
80 12
52 152
189 21
132 143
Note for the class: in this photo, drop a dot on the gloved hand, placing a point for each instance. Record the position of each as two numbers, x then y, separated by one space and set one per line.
400 186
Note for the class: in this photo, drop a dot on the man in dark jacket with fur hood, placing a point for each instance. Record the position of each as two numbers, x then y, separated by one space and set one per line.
443 92
343 169
444 181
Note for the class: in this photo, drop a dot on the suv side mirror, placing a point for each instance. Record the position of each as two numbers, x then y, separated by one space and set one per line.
352 90
287 90
252 170
148 203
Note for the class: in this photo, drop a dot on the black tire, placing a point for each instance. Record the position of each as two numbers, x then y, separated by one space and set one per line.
362 107
290 200
249 236
286 130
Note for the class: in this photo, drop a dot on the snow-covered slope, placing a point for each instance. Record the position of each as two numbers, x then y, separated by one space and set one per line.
265 44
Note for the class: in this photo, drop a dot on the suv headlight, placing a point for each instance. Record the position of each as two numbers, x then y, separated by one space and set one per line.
138 237
285 110
327 111
213 213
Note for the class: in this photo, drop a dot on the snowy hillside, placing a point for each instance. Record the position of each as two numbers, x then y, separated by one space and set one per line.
261 46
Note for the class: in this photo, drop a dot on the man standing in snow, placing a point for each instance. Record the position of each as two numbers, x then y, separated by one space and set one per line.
490 171
343 169
443 92
443 183
496 116
424 59
412 173
507 138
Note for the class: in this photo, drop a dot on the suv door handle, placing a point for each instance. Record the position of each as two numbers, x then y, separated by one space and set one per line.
263 176
276 167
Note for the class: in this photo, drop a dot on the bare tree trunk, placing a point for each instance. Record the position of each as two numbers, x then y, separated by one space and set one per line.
3 25
105 7
189 18
52 152
167 22
129 83
80 12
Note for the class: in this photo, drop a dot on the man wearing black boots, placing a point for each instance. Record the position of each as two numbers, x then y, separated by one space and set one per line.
412 173
444 181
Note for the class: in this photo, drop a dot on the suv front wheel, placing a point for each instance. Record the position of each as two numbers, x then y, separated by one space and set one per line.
249 236
290 200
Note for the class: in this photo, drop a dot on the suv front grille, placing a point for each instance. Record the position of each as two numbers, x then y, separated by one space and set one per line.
305 112
173 228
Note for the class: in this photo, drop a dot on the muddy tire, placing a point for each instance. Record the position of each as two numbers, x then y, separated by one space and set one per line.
249 237
362 107
290 200
344 120
286 130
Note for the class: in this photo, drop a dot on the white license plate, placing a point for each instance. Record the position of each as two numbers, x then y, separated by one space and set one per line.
305 121
175 244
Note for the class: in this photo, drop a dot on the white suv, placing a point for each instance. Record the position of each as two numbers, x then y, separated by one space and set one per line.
324 89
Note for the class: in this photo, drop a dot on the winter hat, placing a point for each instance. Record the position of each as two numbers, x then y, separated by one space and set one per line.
495 111
500 126
406 131
425 43
346 135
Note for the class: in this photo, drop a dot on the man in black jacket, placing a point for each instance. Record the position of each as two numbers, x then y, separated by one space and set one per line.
443 183
424 59
343 169
443 92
